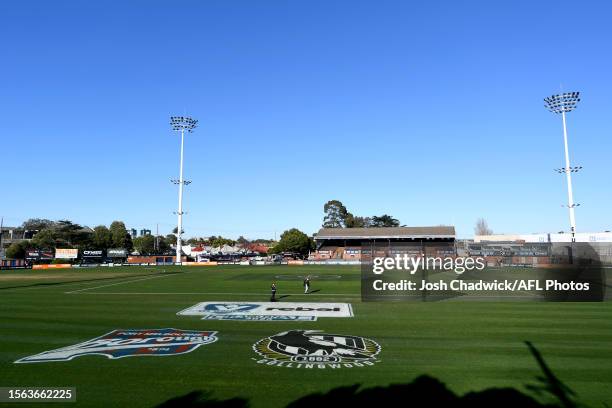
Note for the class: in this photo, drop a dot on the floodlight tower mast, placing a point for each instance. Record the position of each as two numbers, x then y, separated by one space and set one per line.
563 103
181 124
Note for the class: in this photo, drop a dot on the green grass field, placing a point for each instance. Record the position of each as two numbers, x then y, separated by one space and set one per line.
467 345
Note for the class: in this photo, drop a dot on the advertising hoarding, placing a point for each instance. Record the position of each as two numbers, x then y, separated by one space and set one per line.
66 253
92 253
116 253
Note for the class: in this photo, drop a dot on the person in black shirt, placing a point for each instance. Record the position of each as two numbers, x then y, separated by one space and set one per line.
273 288
306 284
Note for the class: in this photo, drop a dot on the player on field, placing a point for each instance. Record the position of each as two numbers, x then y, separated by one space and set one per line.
273 288
306 284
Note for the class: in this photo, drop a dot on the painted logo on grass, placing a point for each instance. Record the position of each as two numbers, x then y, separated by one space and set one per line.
259 318
316 349
128 343
224 308
267 311
242 312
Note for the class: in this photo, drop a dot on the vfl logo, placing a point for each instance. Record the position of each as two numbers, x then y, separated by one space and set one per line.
133 342
222 308
313 348
267 311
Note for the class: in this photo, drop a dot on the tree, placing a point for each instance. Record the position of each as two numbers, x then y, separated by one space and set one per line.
335 214
119 235
242 240
36 224
45 239
145 244
358 222
163 245
17 250
384 221
128 242
102 238
71 234
294 240
350 221
220 241
63 233
171 239
263 241
482 227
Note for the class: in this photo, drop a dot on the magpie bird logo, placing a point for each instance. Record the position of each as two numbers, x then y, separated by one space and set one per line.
313 348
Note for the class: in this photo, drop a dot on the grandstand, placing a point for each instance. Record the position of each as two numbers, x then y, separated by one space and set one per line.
540 249
350 244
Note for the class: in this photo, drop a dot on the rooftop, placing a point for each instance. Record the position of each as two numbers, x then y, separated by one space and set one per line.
441 231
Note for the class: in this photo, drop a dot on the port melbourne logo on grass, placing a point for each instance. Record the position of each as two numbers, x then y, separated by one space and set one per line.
267 311
128 343
315 349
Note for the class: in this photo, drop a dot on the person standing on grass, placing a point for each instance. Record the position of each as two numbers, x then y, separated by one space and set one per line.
273 287
306 284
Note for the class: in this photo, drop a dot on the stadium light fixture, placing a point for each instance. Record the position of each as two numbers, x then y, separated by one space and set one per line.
563 103
181 124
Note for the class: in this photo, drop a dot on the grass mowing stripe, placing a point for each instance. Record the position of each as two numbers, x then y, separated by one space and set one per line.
121 283
42 284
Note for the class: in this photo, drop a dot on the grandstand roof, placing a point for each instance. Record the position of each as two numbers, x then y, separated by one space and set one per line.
384 233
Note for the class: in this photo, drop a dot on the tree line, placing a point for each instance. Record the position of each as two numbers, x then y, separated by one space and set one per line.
337 216
49 235
66 234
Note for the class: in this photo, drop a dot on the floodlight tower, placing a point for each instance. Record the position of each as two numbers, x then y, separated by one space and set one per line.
181 124
562 103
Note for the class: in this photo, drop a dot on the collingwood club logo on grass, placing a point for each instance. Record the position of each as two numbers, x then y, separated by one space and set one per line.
315 349
128 343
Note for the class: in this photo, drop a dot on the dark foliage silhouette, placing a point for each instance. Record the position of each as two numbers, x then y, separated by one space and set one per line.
202 399
423 391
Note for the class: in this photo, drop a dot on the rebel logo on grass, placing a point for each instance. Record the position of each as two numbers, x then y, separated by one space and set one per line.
128 343
267 311
316 349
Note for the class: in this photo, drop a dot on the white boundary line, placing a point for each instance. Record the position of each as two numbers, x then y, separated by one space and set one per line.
337 295
206 293
119 283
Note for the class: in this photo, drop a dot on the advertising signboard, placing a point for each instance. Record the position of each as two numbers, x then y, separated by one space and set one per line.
116 253
38 255
92 253
66 253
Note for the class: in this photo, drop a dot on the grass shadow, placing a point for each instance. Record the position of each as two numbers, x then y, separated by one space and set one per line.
423 391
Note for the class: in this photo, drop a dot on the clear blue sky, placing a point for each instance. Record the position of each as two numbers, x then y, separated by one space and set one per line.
430 112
